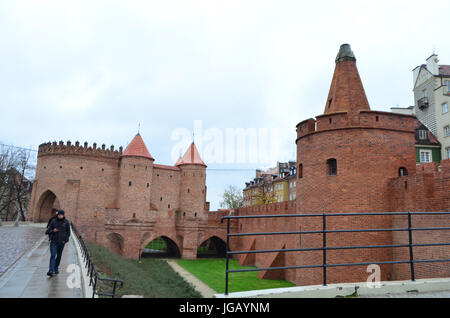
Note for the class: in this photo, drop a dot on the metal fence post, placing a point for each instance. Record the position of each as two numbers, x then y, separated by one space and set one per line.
411 255
227 256
324 245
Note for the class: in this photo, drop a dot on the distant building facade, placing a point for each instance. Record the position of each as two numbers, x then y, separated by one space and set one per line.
276 184
428 148
432 100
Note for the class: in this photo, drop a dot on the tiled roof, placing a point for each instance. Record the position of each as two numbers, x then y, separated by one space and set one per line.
192 156
444 70
137 148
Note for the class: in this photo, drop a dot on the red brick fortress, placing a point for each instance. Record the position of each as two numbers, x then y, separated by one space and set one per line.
123 199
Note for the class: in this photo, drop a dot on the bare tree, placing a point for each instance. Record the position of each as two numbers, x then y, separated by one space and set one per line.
15 187
7 158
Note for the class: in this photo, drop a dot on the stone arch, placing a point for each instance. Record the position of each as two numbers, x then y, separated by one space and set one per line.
214 246
114 242
169 247
46 206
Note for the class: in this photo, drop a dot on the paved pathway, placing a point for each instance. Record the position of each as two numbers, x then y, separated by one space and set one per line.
201 287
15 241
27 278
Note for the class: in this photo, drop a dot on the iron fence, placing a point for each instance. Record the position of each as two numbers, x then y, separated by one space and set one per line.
324 248
94 276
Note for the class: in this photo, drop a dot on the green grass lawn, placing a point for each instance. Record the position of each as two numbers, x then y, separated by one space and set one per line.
152 278
212 273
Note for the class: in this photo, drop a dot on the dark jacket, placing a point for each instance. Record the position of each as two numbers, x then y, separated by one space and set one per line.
50 221
63 227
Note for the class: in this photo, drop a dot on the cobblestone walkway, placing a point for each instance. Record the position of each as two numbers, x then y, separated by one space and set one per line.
27 277
15 241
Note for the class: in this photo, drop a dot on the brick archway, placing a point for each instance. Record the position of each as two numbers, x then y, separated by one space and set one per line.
114 242
173 250
46 206
212 244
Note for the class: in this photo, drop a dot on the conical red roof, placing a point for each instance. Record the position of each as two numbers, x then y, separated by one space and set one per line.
137 148
346 92
191 156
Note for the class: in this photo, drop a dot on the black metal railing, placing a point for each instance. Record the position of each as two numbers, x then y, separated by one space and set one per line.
94 276
324 248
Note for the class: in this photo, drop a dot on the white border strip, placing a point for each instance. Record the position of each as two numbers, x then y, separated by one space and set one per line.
87 290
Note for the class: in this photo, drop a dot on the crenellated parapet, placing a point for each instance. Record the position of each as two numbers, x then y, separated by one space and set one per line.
363 119
61 148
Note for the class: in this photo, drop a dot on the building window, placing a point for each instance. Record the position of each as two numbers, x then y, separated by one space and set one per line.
402 172
448 153
447 83
423 134
447 131
300 171
425 156
332 167
129 183
444 108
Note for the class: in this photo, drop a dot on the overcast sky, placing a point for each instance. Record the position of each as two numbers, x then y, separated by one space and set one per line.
92 70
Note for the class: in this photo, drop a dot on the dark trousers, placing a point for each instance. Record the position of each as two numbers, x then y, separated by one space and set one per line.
56 250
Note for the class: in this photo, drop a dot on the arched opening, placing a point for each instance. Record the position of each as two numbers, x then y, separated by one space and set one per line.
161 247
402 172
213 247
115 243
47 206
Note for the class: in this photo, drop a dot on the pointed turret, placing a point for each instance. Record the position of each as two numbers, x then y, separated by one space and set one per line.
191 157
137 148
346 92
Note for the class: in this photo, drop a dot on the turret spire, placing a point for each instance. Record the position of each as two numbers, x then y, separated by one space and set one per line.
137 148
191 156
346 92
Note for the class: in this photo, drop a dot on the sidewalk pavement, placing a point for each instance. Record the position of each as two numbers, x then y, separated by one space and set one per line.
28 279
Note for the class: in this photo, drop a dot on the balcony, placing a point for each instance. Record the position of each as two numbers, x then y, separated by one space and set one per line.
423 103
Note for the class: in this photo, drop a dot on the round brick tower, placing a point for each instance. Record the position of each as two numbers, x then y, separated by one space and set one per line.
345 158
192 196
135 179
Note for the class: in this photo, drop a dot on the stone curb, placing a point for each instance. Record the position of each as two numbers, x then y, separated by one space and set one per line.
349 289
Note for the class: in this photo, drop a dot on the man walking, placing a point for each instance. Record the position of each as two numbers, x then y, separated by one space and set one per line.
59 231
